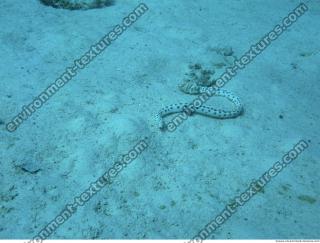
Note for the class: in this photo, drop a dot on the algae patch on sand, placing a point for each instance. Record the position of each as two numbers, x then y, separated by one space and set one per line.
307 199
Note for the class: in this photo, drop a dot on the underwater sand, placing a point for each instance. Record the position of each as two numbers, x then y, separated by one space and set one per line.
185 178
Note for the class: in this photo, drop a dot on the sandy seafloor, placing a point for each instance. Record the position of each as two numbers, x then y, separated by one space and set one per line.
184 179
